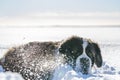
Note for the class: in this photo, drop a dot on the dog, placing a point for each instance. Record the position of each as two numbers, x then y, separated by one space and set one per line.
38 60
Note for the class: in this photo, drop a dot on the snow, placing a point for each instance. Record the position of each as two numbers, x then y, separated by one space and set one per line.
10 36
108 39
10 76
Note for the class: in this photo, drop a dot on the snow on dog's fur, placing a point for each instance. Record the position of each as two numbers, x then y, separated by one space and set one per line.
38 60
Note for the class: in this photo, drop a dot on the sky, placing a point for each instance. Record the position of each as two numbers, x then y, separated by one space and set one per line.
56 12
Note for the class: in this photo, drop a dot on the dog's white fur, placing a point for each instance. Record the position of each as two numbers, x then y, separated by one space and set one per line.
84 55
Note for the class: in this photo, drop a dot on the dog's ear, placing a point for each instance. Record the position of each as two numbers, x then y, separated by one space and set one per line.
97 55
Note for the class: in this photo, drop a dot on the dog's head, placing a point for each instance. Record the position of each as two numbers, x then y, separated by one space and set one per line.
81 54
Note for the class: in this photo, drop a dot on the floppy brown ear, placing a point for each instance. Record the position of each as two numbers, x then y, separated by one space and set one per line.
97 55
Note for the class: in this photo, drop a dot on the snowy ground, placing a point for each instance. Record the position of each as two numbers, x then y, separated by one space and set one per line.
106 37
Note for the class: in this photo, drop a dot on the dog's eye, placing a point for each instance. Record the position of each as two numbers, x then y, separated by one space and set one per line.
76 51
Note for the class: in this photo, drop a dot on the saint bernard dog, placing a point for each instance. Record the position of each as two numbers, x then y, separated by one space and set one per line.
38 60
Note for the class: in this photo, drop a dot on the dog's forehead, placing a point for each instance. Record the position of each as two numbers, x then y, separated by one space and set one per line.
76 42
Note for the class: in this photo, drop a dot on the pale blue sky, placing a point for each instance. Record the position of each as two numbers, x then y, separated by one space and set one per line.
59 12
18 7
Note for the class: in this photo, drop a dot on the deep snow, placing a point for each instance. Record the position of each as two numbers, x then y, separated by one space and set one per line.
109 45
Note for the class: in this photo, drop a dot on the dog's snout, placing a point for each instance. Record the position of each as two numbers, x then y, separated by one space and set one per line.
84 65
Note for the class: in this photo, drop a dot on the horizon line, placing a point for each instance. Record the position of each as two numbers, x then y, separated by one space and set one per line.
63 26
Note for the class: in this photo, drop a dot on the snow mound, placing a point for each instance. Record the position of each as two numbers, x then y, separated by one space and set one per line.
105 73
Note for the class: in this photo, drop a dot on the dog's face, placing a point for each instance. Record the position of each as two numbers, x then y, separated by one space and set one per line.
81 54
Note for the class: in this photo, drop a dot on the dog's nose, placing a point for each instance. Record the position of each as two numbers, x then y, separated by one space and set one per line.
84 65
